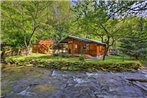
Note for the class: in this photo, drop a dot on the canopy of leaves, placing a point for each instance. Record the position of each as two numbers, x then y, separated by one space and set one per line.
25 22
135 42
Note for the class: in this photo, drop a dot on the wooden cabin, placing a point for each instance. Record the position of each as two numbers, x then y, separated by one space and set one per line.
76 45
42 46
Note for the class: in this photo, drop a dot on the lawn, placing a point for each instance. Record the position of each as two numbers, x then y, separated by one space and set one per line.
113 59
45 57
66 62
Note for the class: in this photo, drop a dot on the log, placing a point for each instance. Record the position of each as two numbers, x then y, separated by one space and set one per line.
136 79
140 86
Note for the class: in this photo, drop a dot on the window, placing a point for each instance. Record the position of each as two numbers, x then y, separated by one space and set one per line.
86 46
69 42
76 46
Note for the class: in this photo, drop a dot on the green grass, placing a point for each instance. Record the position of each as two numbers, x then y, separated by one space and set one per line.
44 57
114 59
144 62
112 63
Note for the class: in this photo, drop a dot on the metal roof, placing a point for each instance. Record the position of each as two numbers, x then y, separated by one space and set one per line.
84 40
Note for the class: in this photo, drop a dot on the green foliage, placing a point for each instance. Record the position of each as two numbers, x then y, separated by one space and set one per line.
72 63
135 42
87 66
94 20
24 22
81 58
99 20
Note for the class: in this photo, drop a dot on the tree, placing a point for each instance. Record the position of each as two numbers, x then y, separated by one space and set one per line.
61 19
33 20
102 18
25 18
94 17
135 42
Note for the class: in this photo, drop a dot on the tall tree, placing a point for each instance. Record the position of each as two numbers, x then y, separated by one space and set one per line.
95 19
62 19
25 17
101 17
33 20
135 42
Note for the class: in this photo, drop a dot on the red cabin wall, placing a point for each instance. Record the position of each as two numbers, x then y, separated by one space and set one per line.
100 50
42 46
76 47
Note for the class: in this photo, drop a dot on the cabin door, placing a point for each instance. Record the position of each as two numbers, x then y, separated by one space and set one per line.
70 48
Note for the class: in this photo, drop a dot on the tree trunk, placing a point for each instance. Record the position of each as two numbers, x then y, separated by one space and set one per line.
27 50
106 47
105 52
29 42
137 79
136 57
3 55
18 51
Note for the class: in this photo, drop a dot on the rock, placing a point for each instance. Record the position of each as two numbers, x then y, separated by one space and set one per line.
68 84
79 80
26 92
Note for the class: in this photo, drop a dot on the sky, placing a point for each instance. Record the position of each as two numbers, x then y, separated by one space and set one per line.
138 13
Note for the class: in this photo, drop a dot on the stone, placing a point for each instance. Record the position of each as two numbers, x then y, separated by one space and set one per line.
68 84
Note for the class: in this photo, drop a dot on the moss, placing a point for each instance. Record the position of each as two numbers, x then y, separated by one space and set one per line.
6 89
44 88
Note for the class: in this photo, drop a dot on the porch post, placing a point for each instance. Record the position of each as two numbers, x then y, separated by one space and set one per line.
81 48
72 47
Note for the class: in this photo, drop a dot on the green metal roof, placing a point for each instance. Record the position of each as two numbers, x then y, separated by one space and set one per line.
83 39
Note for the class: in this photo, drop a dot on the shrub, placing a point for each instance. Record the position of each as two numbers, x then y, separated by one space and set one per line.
81 58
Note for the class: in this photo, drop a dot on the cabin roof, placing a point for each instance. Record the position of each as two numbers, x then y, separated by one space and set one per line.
47 41
82 39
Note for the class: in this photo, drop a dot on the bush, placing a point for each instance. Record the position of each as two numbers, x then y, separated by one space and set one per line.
81 58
